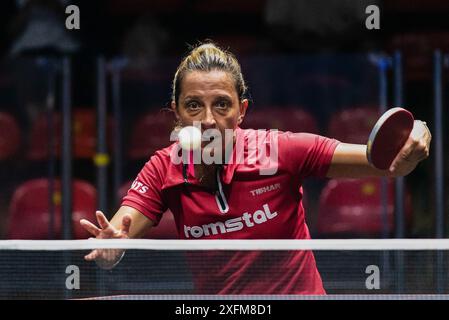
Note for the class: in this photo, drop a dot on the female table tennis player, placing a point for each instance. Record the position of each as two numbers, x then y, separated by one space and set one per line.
234 201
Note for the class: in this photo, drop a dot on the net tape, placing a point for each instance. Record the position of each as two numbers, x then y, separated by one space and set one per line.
238 245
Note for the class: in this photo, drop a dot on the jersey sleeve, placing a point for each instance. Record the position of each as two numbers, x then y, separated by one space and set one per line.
145 194
306 154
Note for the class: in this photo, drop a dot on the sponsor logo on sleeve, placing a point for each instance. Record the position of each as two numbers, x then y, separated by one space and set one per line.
139 186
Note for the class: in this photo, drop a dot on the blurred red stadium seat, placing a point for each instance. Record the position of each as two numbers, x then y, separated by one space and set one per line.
84 128
352 207
84 135
353 125
10 137
29 211
150 133
166 229
39 138
292 119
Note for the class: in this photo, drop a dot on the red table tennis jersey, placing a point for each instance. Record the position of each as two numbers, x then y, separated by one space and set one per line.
246 205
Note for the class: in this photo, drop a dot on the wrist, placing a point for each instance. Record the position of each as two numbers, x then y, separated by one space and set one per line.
108 264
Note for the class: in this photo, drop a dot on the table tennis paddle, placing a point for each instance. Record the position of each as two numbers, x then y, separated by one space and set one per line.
388 136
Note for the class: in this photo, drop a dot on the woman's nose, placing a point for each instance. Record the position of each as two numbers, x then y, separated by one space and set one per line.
208 120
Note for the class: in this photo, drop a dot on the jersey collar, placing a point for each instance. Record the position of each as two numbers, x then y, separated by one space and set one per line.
184 173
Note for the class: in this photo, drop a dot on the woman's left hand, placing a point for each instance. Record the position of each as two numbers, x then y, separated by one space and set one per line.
415 150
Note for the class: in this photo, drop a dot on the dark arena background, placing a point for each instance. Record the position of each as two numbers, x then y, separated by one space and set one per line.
85 92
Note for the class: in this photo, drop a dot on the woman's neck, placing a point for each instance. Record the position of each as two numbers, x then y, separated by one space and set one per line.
206 174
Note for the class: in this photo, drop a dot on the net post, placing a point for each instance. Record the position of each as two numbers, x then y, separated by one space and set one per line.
101 158
399 181
438 156
51 66
383 63
66 150
66 179
115 69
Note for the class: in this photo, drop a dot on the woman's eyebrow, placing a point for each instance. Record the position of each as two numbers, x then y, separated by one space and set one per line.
223 97
192 97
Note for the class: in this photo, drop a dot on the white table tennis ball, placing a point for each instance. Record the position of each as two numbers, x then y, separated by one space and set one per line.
189 138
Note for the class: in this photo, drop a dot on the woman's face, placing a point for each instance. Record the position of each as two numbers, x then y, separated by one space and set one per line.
210 98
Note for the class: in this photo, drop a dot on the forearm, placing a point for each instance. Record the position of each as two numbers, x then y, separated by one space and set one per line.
349 161
140 223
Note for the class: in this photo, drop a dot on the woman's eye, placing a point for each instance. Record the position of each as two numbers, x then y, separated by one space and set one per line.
193 105
223 104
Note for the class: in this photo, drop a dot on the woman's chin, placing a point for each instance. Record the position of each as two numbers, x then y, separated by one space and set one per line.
212 154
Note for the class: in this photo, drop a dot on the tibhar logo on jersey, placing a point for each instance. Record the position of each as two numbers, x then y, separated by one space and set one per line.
139 186
259 191
231 225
